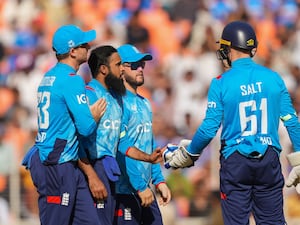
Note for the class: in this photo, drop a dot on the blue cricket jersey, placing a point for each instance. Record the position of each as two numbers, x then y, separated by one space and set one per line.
248 101
137 175
104 141
62 113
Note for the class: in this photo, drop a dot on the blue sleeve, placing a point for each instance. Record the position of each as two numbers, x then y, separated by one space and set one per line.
212 121
290 120
91 96
124 142
84 141
134 174
157 176
75 98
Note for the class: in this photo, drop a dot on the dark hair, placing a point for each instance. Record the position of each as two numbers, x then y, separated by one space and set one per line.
60 57
100 56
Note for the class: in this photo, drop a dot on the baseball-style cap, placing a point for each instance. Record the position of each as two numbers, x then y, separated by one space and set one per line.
129 53
70 36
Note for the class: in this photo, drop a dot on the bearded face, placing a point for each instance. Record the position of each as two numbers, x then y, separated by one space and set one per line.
115 83
134 81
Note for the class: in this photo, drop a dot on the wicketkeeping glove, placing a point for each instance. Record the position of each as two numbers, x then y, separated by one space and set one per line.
169 153
177 156
294 176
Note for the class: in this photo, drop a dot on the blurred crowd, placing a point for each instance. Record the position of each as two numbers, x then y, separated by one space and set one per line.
181 35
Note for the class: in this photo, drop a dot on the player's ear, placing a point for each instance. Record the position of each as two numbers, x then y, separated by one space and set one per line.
72 52
103 69
253 51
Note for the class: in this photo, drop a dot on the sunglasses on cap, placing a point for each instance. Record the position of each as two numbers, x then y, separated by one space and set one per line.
135 65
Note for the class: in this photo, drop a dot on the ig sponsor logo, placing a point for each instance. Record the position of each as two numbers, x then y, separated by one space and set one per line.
81 99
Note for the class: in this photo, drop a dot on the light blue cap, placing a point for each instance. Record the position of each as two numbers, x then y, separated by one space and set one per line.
129 53
70 36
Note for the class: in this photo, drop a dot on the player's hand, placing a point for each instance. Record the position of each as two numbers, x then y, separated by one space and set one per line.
156 156
294 176
146 197
177 156
97 188
98 109
165 194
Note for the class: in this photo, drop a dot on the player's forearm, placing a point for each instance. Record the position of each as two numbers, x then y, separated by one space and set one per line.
293 129
137 154
199 142
87 168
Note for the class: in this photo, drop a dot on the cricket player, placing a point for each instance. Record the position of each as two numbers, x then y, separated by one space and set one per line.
136 202
63 112
248 100
98 152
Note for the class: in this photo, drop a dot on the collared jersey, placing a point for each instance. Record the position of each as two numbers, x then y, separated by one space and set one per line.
137 175
104 141
248 101
62 112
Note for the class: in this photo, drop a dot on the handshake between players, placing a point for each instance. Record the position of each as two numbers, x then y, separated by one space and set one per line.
177 156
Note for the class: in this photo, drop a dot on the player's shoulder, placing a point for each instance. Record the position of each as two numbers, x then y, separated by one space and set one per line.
130 98
141 97
269 70
96 90
90 89
219 78
61 77
223 75
66 73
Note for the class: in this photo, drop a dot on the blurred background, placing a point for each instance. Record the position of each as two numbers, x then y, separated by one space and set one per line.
181 35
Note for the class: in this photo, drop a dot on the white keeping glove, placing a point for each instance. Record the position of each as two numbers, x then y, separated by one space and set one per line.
177 156
294 176
169 153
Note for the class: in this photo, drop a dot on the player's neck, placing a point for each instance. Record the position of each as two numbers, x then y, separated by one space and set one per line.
102 81
131 88
70 62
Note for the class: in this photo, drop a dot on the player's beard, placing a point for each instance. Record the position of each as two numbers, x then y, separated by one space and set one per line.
134 82
116 84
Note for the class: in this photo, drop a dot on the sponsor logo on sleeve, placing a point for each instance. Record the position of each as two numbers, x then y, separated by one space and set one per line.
81 99
211 104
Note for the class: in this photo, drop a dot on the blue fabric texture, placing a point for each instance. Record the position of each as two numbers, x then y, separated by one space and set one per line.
27 158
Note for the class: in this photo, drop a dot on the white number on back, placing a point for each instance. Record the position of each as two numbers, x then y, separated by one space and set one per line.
252 119
43 105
